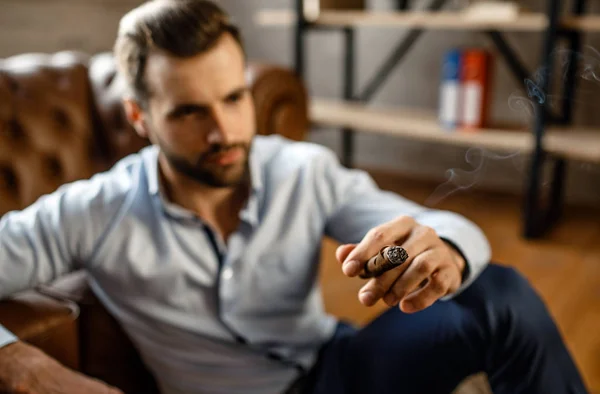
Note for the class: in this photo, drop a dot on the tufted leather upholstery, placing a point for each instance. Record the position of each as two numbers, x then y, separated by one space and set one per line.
46 137
280 110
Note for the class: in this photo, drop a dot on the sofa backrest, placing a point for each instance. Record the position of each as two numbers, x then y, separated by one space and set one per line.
47 131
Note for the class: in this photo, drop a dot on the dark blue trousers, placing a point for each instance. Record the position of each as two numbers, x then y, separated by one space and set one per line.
499 325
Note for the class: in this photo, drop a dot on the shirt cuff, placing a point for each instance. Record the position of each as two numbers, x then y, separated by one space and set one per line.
6 337
466 237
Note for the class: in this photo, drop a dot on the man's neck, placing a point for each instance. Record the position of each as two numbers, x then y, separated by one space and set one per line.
219 207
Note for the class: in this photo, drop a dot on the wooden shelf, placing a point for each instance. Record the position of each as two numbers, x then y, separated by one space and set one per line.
580 144
589 23
441 20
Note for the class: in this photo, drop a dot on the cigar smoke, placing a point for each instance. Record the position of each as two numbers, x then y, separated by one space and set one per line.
461 179
589 63
524 102
531 97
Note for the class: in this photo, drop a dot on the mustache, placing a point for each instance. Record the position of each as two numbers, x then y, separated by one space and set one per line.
217 149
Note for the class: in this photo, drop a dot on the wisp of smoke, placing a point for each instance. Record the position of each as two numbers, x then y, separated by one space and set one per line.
588 70
522 105
590 64
458 179
533 90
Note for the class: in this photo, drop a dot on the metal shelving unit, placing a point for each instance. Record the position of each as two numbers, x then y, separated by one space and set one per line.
552 138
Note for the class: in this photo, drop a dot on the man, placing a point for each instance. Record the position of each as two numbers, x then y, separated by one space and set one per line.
205 247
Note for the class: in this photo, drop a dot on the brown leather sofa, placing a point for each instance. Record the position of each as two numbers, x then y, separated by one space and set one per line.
61 120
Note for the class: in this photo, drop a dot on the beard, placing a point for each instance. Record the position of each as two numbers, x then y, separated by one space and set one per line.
203 171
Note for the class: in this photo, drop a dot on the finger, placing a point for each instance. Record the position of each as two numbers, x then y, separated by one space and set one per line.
419 270
389 233
342 252
378 287
439 284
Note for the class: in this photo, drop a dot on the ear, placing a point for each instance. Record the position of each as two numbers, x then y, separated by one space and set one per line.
135 116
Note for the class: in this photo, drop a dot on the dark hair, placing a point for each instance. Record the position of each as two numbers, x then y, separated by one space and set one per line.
182 28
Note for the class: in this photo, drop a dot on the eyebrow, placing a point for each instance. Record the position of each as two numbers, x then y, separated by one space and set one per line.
185 107
240 90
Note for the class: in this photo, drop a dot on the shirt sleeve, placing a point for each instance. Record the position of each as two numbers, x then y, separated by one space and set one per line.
358 204
51 237
6 337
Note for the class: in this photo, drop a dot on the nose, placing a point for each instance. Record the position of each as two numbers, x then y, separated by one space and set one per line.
215 136
218 131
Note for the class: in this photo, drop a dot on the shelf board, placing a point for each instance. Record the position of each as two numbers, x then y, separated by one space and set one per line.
441 20
580 144
590 23
425 19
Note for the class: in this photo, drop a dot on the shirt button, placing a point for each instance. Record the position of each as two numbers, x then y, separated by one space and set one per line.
227 273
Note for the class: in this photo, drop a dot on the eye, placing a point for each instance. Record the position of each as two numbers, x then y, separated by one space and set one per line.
234 98
185 111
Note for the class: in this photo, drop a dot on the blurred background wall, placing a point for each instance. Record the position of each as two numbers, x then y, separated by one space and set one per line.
90 26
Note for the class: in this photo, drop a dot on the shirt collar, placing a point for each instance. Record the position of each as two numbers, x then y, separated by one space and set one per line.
151 163
250 212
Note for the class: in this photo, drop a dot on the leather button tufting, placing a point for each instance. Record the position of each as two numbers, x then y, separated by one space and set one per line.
8 178
53 167
61 118
15 131
49 133
12 83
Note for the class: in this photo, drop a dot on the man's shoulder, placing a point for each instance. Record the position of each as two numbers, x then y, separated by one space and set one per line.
276 151
97 198
112 185
133 165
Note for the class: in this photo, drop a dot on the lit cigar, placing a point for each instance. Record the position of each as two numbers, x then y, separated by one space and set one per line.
389 257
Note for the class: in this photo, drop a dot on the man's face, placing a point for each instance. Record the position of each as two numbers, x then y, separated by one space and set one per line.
201 114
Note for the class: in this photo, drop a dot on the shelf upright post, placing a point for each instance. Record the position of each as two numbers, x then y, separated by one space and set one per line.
349 74
402 5
574 38
534 223
299 39
560 165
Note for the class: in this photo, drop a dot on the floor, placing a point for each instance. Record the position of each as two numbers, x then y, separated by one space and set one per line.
564 266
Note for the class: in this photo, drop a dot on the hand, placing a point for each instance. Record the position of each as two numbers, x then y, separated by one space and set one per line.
433 269
25 369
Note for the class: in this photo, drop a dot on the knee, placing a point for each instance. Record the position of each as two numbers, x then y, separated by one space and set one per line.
507 287
515 303
499 288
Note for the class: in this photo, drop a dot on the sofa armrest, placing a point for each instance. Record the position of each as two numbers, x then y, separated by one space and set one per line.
45 323
105 350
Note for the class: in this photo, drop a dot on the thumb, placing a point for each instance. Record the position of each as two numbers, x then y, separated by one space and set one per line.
343 251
